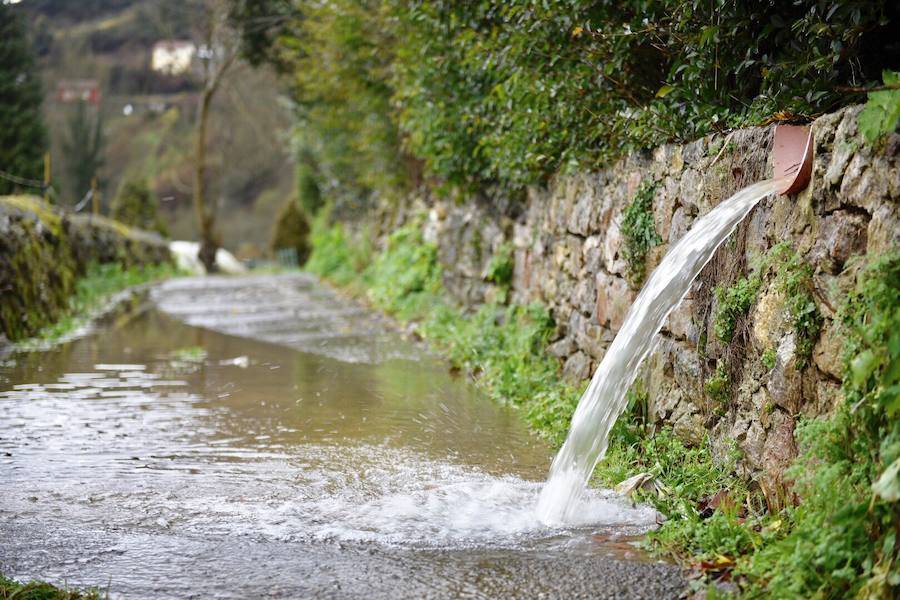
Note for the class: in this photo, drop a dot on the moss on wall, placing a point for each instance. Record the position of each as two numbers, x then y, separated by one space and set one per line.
43 252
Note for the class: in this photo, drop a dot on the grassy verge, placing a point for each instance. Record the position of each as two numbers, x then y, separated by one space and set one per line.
92 292
38 590
831 532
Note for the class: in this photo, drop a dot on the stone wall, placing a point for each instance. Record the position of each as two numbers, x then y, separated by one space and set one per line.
43 251
568 248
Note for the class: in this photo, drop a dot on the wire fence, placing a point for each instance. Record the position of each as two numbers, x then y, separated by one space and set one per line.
45 188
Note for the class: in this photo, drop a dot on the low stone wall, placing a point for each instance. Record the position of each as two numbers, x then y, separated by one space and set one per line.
43 251
568 251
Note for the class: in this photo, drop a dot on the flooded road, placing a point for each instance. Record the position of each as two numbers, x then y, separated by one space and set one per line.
260 437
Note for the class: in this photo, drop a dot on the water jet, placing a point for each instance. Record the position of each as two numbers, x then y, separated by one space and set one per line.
605 398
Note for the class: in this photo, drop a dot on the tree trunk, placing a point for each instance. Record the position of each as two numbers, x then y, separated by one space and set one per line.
204 214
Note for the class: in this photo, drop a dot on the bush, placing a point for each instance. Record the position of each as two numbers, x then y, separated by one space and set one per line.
292 231
136 205
514 91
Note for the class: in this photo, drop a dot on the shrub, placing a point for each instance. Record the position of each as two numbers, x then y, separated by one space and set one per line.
501 94
292 231
136 205
335 255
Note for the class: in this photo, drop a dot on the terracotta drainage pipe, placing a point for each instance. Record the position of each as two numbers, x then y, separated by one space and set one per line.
793 156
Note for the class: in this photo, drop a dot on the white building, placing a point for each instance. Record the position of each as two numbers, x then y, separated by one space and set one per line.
172 57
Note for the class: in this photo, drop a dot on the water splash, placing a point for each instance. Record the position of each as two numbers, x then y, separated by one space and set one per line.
604 400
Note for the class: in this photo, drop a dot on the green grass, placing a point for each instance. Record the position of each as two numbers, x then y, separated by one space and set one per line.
92 292
38 590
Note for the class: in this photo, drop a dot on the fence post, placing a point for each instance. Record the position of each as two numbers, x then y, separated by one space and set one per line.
95 198
47 177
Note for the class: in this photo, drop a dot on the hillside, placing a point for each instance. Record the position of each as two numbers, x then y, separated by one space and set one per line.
148 117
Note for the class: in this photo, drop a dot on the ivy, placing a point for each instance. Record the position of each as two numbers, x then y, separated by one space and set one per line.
881 113
639 231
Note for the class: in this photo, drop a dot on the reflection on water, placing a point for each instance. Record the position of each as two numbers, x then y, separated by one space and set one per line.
127 454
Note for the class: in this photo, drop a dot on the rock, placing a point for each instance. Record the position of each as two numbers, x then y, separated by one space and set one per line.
691 190
884 230
828 352
577 367
768 319
585 298
785 380
614 298
613 243
681 224
688 425
680 322
664 207
780 448
562 348
842 234
753 444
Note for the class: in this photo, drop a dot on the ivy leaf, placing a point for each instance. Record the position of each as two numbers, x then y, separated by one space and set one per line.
664 90
888 485
882 112
862 366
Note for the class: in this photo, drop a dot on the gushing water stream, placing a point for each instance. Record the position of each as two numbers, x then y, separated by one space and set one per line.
605 398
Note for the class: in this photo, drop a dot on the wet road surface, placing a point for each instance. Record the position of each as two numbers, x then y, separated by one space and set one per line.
260 437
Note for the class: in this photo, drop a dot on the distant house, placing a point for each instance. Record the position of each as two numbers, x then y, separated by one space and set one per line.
78 90
172 57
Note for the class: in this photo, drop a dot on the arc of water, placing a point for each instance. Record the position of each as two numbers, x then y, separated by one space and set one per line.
605 398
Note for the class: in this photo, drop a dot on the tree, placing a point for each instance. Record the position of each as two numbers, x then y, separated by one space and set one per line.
218 52
83 150
23 137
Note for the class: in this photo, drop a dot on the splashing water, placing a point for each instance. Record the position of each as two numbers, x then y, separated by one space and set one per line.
605 399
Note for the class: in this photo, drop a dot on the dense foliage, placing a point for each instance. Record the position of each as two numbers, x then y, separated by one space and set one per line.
23 138
507 93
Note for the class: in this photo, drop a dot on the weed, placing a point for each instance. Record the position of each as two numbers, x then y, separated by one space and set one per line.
405 279
336 256
38 590
717 386
500 268
639 231
768 358
733 303
793 278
